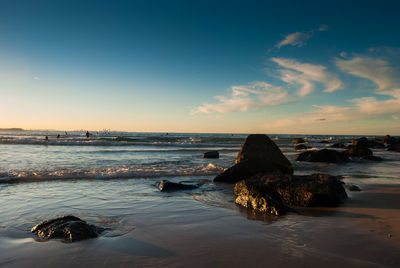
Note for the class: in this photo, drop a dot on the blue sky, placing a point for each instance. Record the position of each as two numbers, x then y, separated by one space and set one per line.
201 66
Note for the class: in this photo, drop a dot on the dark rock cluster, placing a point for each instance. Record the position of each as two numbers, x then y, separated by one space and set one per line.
265 181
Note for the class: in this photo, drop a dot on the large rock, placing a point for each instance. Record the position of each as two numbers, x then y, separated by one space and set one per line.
258 154
211 154
324 155
68 228
273 193
255 194
168 186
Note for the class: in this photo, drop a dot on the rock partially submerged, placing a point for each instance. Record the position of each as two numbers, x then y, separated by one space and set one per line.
366 143
358 152
168 186
273 193
211 154
68 228
324 155
258 154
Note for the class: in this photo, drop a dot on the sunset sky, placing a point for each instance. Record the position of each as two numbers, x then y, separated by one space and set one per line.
312 67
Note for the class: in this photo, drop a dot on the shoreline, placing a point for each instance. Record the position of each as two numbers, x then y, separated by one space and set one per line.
180 231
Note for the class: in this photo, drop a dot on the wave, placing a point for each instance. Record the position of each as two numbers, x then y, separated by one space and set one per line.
165 169
117 141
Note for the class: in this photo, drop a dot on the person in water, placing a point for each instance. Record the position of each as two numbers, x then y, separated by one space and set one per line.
87 134
46 138
58 136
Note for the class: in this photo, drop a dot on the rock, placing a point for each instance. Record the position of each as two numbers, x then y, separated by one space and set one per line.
68 228
338 145
301 147
389 140
324 155
366 143
273 193
394 147
256 195
358 152
211 154
298 140
353 187
361 143
258 154
167 186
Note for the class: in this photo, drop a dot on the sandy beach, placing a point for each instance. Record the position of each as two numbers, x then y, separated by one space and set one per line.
182 232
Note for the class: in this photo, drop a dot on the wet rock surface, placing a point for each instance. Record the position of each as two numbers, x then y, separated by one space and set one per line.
68 228
324 155
258 154
168 186
275 193
211 154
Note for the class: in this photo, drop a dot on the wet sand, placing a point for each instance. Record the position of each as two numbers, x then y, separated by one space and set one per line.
183 232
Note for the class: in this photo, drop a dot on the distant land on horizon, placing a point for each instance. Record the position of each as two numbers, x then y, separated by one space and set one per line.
172 132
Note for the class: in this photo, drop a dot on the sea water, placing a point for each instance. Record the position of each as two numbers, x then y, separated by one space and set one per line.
109 179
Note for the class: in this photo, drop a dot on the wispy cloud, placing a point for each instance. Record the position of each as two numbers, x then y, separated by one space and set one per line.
376 70
243 98
364 108
299 38
306 74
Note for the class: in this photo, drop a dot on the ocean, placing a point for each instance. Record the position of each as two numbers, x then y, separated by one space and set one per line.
109 179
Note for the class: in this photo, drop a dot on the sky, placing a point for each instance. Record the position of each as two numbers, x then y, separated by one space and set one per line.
274 67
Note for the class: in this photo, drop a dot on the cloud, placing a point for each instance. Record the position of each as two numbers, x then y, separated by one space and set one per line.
376 70
299 38
364 108
243 98
305 74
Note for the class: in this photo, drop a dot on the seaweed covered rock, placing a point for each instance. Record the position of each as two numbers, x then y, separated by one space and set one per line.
273 193
68 228
211 154
168 186
256 195
324 155
258 154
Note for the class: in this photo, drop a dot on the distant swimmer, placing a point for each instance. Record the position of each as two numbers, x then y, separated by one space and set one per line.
66 133
58 136
46 138
87 134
